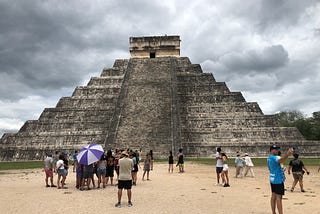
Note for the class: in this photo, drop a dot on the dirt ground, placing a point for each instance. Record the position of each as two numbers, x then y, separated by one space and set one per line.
194 191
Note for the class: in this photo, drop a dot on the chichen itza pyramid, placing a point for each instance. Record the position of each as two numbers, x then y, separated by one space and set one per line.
154 100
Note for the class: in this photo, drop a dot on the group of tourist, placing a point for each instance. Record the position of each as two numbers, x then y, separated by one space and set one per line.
243 166
125 164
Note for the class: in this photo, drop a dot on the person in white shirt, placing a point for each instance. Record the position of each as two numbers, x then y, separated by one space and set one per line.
125 178
219 165
61 172
249 166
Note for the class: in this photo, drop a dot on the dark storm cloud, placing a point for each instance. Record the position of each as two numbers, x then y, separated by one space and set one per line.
270 58
44 44
259 47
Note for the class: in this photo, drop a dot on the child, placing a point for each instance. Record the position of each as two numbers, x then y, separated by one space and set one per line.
146 167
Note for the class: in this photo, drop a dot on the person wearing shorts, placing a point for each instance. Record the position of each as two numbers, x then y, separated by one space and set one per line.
297 167
276 177
219 164
48 169
109 167
125 178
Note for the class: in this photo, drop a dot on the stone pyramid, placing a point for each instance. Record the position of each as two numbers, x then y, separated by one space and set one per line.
154 100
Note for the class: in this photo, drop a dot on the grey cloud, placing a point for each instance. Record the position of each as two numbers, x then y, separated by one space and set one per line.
269 58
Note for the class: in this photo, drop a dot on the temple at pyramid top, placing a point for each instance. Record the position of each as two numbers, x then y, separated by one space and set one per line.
155 46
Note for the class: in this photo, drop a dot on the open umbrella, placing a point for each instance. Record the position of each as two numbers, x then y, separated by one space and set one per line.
90 154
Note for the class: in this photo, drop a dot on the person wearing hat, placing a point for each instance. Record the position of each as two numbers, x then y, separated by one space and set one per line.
297 166
276 177
125 178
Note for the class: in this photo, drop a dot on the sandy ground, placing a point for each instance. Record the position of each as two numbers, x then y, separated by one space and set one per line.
191 192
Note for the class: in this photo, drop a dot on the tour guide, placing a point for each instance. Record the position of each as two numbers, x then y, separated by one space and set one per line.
276 177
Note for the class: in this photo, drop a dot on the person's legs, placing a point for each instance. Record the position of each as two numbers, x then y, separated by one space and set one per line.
144 172
251 171
273 203
99 180
63 180
226 177
104 180
148 175
237 171
295 181
46 179
279 203
246 168
301 184
88 182
223 177
129 194
218 177
58 180
51 180
119 195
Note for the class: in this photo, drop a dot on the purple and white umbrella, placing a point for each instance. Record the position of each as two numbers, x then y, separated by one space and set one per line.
90 154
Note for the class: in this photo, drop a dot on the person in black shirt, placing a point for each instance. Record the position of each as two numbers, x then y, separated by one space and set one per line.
297 167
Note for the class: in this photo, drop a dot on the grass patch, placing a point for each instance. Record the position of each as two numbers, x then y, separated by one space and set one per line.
21 165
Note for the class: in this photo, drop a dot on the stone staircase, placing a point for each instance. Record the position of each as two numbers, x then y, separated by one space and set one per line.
212 116
163 104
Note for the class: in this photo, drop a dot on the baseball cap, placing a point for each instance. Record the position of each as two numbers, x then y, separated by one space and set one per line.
274 147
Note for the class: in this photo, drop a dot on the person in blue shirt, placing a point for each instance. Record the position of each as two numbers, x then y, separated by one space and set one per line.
276 177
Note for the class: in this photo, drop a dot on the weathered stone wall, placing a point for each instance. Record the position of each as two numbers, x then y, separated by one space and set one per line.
163 104
160 46
75 122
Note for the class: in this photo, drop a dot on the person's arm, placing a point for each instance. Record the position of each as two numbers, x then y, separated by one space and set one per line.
305 169
284 157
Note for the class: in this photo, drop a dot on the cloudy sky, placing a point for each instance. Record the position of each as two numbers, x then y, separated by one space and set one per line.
267 49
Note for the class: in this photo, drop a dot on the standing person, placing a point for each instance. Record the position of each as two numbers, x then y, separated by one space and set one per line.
55 159
75 160
297 166
79 176
146 166
116 163
110 167
181 161
170 169
61 172
87 176
125 179
219 164
66 164
48 169
239 162
135 168
225 168
276 177
101 170
152 160
249 165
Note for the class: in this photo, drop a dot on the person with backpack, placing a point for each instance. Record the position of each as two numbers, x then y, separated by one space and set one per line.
298 169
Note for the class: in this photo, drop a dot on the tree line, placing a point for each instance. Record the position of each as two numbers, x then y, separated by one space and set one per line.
309 127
